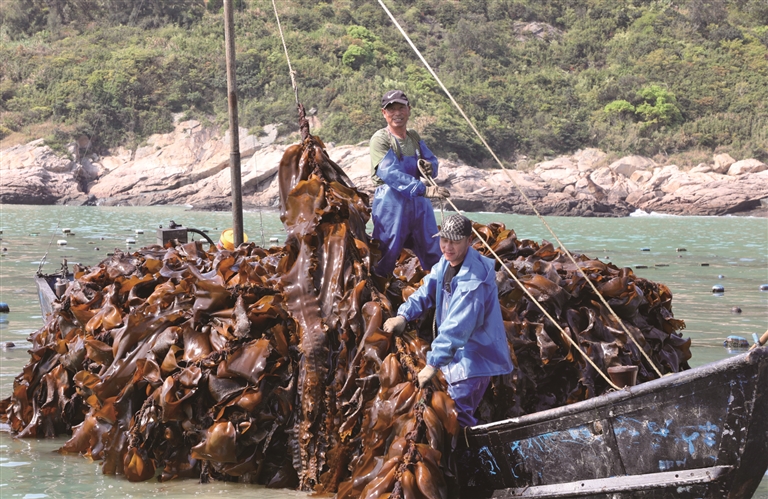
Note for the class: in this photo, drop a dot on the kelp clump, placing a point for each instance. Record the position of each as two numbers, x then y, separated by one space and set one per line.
269 366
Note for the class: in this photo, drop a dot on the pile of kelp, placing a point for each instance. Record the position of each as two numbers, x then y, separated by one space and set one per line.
269 366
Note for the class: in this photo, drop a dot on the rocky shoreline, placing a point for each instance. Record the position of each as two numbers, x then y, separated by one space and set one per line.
191 166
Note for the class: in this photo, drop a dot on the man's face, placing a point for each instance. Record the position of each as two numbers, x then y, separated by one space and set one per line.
396 114
454 251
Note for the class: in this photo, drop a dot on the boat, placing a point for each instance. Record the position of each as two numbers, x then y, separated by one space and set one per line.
52 286
700 433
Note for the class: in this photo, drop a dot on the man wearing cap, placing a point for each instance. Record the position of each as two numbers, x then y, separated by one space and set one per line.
402 214
471 344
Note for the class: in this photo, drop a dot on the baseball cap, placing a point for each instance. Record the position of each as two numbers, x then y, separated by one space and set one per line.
455 227
394 96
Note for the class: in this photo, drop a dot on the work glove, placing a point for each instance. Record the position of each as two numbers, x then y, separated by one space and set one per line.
394 325
426 374
434 191
426 166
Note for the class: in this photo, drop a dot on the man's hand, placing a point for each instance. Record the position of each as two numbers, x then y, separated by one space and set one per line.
426 374
394 325
437 192
426 166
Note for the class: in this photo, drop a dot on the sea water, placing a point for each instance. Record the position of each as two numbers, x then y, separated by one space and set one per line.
727 251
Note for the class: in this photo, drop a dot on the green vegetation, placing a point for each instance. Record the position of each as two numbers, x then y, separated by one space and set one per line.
537 78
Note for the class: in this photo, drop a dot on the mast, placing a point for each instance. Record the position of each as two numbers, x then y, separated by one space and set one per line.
234 155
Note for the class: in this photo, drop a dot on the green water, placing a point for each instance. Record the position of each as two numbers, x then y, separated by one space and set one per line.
736 248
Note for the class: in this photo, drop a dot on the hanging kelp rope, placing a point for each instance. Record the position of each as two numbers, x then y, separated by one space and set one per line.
527 199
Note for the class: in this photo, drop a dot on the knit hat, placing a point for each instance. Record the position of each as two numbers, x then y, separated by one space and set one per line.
455 227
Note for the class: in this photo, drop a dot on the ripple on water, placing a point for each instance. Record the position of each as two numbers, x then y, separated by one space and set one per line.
13 464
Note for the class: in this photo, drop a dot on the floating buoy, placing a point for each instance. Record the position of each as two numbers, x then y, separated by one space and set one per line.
661 265
645 249
705 265
139 231
130 240
66 231
680 249
33 234
764 287
110 254
736 310
641 266
4 309
61 242
5 249
8 345
227 240
720 276
735 342
96 248
273 240
718 289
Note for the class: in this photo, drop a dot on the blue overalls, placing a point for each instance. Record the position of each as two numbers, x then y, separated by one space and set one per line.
402 216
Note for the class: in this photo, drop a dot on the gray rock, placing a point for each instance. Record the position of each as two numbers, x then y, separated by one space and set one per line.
747 166
630 164
722 163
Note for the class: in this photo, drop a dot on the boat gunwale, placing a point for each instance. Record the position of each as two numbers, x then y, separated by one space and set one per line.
733 363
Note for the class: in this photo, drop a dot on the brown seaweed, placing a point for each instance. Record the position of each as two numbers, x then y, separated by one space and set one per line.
270 366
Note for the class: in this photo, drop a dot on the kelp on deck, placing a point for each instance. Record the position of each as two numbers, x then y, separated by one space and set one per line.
270 366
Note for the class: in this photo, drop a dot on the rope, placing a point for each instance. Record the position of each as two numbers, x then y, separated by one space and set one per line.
532 298
527 200
45 256
285 48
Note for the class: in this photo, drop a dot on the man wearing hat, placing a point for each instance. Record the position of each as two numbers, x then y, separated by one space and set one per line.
402 214
471 344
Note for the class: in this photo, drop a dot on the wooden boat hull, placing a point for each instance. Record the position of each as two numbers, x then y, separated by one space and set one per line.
702 433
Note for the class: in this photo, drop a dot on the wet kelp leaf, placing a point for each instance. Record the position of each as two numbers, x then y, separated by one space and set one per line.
270 366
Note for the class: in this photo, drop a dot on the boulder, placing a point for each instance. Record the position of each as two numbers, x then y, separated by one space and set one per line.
630 164
34 154
641 176
604 177
722 163
747 166
587 159
660 176
701 168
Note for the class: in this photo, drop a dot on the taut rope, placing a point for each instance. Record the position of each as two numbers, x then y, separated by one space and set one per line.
527 200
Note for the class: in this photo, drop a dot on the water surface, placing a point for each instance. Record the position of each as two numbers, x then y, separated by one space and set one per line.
732 247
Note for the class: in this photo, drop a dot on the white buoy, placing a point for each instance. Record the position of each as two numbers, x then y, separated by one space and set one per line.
61 242
273 240
139 231
66 230
717 289
130 240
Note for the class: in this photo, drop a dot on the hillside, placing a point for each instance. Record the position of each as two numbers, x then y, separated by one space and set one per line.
656 78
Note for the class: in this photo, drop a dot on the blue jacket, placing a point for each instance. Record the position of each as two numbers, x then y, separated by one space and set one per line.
471 340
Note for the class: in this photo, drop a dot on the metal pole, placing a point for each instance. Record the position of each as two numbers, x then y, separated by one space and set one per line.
234 155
